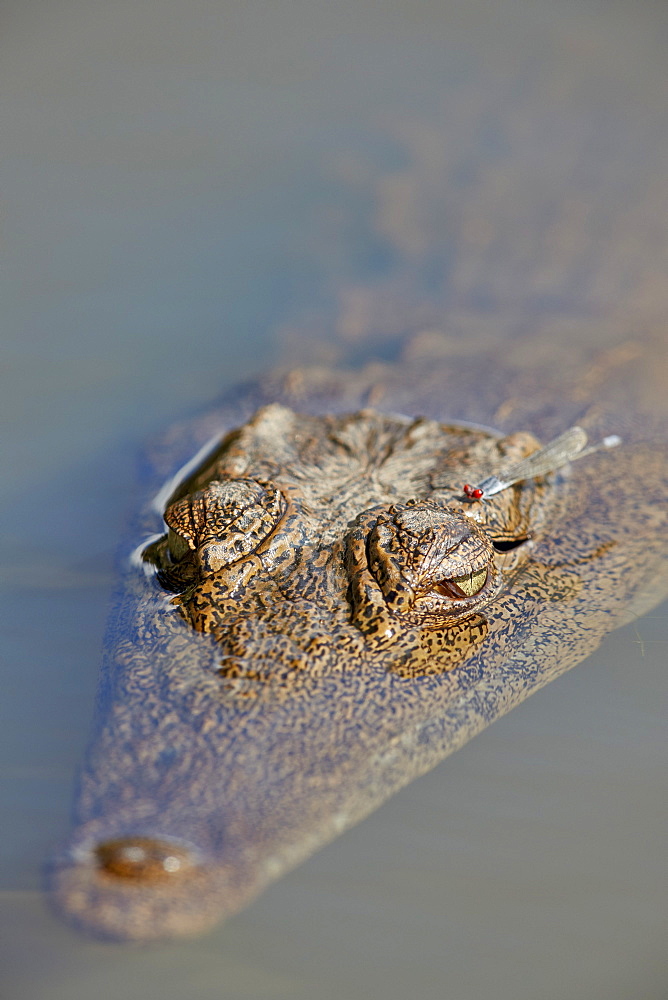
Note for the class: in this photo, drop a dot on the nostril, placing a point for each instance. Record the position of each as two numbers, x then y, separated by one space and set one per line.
132 885
143 859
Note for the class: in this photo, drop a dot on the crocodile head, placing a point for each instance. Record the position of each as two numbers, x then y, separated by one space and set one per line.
305 637
304 537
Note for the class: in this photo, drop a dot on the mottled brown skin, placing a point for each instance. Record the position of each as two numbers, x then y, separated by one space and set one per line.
292 649
362 516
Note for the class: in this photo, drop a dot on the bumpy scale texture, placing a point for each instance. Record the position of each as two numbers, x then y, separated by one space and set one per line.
361 517
325 615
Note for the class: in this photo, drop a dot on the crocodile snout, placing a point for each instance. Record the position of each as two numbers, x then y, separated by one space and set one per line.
140 888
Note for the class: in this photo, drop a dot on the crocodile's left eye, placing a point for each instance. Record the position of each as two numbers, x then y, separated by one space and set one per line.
458 587
418 565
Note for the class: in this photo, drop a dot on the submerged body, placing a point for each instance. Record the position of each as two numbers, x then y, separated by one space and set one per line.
324 612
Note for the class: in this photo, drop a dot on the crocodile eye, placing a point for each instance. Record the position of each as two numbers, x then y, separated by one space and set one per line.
223 522
463 586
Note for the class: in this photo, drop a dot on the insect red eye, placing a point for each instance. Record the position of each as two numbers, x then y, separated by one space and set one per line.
471 492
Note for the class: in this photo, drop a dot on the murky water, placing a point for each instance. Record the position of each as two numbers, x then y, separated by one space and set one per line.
186 181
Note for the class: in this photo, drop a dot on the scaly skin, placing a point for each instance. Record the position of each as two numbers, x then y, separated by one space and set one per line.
292 650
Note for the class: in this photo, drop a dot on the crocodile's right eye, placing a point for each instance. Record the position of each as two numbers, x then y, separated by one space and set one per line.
223 522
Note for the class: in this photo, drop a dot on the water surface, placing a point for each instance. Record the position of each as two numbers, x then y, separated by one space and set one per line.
186 183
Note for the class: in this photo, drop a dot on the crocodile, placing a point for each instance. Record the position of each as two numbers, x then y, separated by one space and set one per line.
353 573
316 603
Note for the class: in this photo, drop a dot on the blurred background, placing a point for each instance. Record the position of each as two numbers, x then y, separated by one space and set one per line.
194 191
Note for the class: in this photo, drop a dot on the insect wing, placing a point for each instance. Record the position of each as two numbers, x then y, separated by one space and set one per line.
562 450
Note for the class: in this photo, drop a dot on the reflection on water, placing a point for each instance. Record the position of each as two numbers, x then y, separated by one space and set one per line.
179 188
